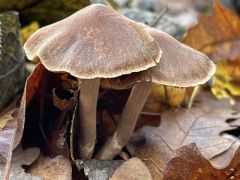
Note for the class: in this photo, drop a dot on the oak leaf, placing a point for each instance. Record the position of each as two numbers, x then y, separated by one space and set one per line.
204 125
190 164
217 35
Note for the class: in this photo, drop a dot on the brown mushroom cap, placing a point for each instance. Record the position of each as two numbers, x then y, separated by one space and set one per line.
94 42
180 65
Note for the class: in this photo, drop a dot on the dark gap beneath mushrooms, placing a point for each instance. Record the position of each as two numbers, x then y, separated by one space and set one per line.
49 114
110 104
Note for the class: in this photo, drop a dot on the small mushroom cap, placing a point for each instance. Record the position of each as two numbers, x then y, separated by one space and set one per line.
94 42
180 65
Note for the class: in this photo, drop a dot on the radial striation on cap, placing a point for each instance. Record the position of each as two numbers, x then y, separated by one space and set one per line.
180 65
94 42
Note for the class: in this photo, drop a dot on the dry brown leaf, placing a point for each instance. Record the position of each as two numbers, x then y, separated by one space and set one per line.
47 109
132 169
58 168
30 89
203 125
190 164
217 35
154 158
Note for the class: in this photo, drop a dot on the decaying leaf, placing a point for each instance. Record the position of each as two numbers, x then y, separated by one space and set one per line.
20 158
190 164
47 105
226 80
132 169
58 168
217 35
31 86
204 125
154 158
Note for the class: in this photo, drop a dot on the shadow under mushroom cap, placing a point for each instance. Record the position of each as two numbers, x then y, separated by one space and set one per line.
94 42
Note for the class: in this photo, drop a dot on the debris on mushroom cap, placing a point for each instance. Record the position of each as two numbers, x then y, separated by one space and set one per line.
94 42
180 65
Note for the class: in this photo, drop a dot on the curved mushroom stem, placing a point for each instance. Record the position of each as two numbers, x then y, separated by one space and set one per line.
127 123
87 116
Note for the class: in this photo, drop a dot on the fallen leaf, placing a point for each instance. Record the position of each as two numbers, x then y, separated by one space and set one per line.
217 35
190 164
31 86
172 96
154 158
7 137
204 125
20 158
58 168
46 111
132 169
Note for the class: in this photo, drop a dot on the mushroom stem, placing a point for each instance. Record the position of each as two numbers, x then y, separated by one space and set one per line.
126 126
87 116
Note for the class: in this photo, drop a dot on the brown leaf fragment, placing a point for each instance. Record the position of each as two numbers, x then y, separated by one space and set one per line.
190 164
58 168
30 89
217 35
153 158
132 169
97 169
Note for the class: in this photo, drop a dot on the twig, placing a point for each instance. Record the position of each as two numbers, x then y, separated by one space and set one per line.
193 96
150 113
165 10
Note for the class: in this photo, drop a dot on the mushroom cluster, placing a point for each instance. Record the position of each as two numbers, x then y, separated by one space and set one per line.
98 44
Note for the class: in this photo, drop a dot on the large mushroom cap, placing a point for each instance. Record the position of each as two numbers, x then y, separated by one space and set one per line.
94 42
180 65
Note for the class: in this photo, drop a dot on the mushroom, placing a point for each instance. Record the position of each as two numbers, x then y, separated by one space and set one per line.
95 42
180 66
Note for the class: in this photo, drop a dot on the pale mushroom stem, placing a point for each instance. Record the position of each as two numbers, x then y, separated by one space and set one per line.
126 126
87 116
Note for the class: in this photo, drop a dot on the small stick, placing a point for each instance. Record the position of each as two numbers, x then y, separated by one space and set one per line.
165 10
150 113
193 96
